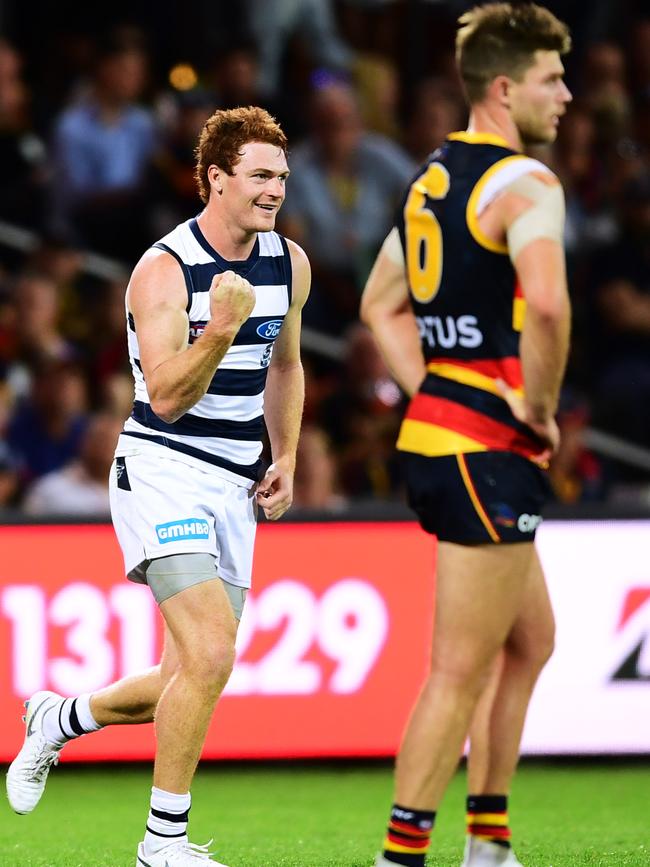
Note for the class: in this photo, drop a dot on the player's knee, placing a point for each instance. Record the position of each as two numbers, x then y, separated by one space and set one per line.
212 664
462 670
533 650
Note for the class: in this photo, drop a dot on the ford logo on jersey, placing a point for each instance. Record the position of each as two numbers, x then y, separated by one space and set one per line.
177 531
270 330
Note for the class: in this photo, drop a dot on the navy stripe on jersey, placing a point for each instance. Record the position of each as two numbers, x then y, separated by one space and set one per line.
288 271
198 426
256 330
267 271
244 382
187 274
252 472
131 321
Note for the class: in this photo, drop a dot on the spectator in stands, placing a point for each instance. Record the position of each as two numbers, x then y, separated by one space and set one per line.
577 163
174 186
362 419
236 80
8 333
436 111
22 152
272 25
9 477
57 259
108 354
81 486
9 467
605 87
621 321
103 150
376 81
341 184
315 484
344 187
117 395
61 263
640 58
39 338
46 429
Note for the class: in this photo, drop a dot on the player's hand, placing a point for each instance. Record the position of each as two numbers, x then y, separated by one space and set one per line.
232 299
547 430
275 492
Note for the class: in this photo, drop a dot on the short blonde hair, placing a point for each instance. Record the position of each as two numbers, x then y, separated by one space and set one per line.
223 136
501 39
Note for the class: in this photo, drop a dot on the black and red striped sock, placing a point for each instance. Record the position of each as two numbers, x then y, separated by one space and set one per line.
487 818
408 836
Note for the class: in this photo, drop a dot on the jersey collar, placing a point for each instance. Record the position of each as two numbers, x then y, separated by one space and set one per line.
239 266
479 138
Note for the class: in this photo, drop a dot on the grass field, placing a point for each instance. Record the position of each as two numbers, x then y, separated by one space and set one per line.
329 816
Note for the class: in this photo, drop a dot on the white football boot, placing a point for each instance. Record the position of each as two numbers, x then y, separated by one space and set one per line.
483 853
28 772
178 854
382 862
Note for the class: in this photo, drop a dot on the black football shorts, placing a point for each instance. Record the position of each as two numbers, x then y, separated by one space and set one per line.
478 497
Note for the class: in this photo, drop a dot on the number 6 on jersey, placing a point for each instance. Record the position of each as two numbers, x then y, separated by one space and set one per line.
423 233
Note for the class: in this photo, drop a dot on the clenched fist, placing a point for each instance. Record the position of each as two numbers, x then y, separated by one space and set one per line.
232 299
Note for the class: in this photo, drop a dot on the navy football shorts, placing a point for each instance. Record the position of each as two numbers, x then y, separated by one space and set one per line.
478 497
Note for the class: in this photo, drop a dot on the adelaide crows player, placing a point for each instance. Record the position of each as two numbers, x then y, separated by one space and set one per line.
468 302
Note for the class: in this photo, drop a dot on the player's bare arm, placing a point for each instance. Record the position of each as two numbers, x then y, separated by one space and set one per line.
387 311
284 397
177 376
531 213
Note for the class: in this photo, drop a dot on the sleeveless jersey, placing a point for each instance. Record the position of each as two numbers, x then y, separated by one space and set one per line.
467 303
224 429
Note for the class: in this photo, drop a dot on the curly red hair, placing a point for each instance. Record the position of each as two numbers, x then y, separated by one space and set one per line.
223 136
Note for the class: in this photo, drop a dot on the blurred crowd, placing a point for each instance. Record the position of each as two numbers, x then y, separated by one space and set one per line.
100 110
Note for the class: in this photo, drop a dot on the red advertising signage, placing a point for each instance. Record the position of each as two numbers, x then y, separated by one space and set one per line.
332 647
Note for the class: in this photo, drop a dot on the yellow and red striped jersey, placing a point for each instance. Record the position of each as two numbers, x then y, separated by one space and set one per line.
467 302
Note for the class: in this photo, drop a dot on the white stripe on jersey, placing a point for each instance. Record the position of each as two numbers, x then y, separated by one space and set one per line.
223 406
268 300
182 241
509 172
141 392
248 356
270 244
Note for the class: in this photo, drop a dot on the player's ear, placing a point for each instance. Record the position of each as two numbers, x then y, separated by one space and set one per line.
499 89
215 179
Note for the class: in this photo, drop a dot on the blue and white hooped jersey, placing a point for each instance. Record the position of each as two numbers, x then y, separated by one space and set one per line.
224 428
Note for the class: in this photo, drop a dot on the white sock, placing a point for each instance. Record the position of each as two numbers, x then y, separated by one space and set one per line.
167 820
86 719
69 719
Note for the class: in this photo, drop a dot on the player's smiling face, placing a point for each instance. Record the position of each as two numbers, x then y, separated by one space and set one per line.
540 99
254 193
